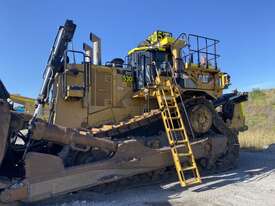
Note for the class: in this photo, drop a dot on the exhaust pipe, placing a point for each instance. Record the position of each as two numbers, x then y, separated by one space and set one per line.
96 49
88 52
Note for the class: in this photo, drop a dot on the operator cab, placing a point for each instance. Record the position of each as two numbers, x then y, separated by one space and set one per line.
143 65
147 57
192 59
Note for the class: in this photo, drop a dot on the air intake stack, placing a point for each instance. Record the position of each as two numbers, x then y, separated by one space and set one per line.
96 49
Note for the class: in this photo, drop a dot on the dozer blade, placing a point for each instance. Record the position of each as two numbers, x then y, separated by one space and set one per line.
5 117
46 176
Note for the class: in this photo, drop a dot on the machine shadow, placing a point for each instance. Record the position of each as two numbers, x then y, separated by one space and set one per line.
252 166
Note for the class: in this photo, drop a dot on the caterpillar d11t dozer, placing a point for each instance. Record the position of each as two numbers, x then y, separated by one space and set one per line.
161 108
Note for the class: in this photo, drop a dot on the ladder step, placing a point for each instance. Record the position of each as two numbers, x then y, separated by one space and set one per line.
181 141
193 181
176 146
176 129
172 117
171 104
188 168
185 154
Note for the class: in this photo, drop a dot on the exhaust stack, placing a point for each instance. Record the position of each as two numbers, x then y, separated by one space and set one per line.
96 49
88 52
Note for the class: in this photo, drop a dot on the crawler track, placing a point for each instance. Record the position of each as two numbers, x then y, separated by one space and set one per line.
138 128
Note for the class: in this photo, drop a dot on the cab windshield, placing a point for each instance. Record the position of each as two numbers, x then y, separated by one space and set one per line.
143 64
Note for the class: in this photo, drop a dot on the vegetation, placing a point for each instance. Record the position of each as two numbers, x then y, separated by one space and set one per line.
260 118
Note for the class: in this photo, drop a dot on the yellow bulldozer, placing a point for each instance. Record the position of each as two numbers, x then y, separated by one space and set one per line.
161 108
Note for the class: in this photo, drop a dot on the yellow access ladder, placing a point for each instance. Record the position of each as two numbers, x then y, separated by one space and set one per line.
176 132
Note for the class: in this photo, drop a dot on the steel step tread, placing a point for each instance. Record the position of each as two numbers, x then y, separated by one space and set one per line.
185 154
188 168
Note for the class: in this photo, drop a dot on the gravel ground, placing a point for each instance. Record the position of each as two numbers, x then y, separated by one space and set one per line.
252 183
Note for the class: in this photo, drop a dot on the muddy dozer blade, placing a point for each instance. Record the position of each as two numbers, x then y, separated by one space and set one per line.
5 117
47 177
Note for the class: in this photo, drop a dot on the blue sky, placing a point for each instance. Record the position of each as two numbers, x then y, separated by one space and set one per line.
245 28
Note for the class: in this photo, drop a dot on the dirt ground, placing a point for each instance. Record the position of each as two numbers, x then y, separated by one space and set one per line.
252 183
